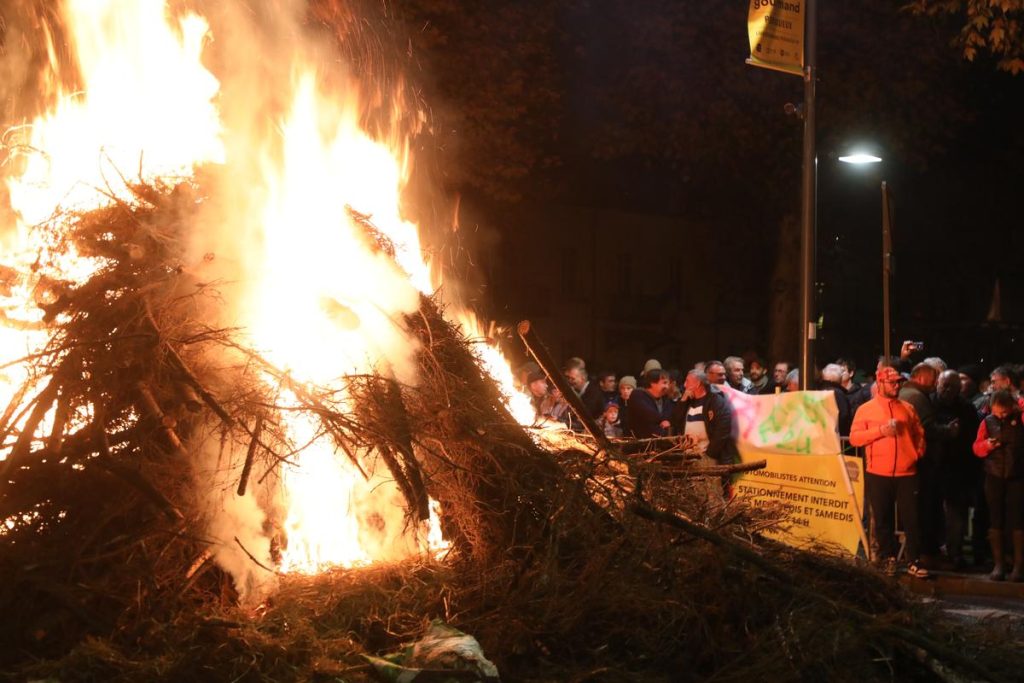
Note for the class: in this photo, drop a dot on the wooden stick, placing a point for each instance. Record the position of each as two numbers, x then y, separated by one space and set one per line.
247 468
195 571
709 471
151 407
251 557
643 446
203 558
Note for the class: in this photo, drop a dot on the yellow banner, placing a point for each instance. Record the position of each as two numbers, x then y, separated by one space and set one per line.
822 507
792 422
776 32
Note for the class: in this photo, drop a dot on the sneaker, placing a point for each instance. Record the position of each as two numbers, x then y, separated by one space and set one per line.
890 567
917 571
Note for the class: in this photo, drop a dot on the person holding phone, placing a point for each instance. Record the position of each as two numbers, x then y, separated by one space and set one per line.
999 442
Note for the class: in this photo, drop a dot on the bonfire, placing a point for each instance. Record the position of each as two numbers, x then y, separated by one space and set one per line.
246 435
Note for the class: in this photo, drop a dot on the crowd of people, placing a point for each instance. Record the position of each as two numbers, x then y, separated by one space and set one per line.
942 446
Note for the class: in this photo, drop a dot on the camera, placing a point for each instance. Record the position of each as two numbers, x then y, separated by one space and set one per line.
916 346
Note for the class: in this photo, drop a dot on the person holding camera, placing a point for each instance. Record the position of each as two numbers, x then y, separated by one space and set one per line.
1000 441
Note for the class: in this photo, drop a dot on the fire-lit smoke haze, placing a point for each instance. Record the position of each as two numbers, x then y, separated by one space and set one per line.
304 233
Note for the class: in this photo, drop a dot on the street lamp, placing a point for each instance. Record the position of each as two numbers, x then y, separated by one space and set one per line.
860 159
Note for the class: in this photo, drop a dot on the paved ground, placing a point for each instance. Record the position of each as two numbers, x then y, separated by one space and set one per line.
972 596
942 584
977 607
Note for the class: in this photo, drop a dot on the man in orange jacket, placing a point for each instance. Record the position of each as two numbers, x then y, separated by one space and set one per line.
893 440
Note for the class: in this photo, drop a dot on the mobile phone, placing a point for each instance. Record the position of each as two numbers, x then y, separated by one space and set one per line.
917 346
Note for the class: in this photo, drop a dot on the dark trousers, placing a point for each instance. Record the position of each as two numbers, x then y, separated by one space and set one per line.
957 499
929 505
956 506
1005 502
884 496
979 523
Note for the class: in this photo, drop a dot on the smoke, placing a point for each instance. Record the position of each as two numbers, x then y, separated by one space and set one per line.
237 526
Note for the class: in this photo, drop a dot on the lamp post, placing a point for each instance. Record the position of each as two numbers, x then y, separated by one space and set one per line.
860 159
809 198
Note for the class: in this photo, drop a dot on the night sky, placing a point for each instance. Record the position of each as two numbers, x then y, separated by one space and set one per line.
646 112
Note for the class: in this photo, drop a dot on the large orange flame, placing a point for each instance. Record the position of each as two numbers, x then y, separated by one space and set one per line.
313 294
145 111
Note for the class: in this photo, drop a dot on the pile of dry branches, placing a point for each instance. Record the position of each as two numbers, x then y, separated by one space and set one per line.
586 564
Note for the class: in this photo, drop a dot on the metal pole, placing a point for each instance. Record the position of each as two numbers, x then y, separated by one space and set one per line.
807 321
886 273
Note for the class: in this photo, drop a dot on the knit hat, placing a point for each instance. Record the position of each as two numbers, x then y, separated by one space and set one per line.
652 364
628 380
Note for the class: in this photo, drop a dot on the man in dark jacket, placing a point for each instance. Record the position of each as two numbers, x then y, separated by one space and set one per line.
831 380
648 406
960 471
917 392
589 392
760 378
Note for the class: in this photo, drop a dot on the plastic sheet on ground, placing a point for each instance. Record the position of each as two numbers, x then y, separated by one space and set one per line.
444 654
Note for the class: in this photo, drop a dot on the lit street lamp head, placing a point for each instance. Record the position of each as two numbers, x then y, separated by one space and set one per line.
860 159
